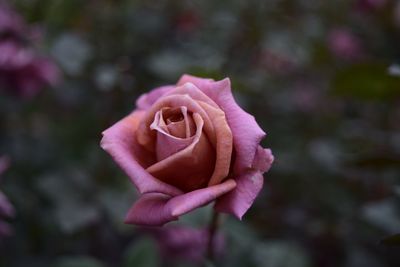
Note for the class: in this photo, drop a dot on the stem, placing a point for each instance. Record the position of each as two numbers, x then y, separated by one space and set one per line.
212 230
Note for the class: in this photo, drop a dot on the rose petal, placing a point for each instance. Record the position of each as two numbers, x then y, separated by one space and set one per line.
154 209
185 128
177 129
195 199
146 100
159 123
238 201
167 146
224 143
263 159
151 209
146 137
222 129
194 92
247 134
120 142
195 163
204 84
167 142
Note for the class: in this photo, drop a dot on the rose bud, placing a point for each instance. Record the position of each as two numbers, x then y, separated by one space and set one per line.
187 145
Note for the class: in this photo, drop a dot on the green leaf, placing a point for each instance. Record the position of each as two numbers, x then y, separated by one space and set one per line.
143 252
366 82
280 254
393 240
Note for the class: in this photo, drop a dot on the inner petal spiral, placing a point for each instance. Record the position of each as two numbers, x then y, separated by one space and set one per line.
174 122
181 144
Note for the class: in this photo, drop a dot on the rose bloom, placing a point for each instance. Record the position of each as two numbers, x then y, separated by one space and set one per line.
187 145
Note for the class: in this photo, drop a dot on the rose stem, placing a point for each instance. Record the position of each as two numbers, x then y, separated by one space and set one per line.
212 230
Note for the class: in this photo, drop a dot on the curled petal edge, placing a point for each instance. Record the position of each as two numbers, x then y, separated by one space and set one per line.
154 209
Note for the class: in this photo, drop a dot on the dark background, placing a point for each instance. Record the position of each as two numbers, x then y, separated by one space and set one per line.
321 78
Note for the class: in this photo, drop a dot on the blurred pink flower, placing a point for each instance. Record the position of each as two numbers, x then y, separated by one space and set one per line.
185 243
306 97
187 145
274 62
370 5
22 71
187 21
6 209
11 23
345 45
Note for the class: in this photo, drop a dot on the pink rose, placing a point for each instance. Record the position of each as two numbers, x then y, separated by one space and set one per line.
187 145
345 45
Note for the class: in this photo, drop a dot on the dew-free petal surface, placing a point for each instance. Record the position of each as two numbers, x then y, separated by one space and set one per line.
249 184
169 137
247 134
194 92
224 144
155 209
146 136
191 167
120 142
146 100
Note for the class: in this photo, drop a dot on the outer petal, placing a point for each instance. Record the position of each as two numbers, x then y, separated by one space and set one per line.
238 201
194 92
120 142
247 134
146 100
157 209
203 84
263 159
151 209
224 143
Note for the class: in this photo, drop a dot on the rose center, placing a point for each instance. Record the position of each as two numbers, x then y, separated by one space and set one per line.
171 115
175 118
